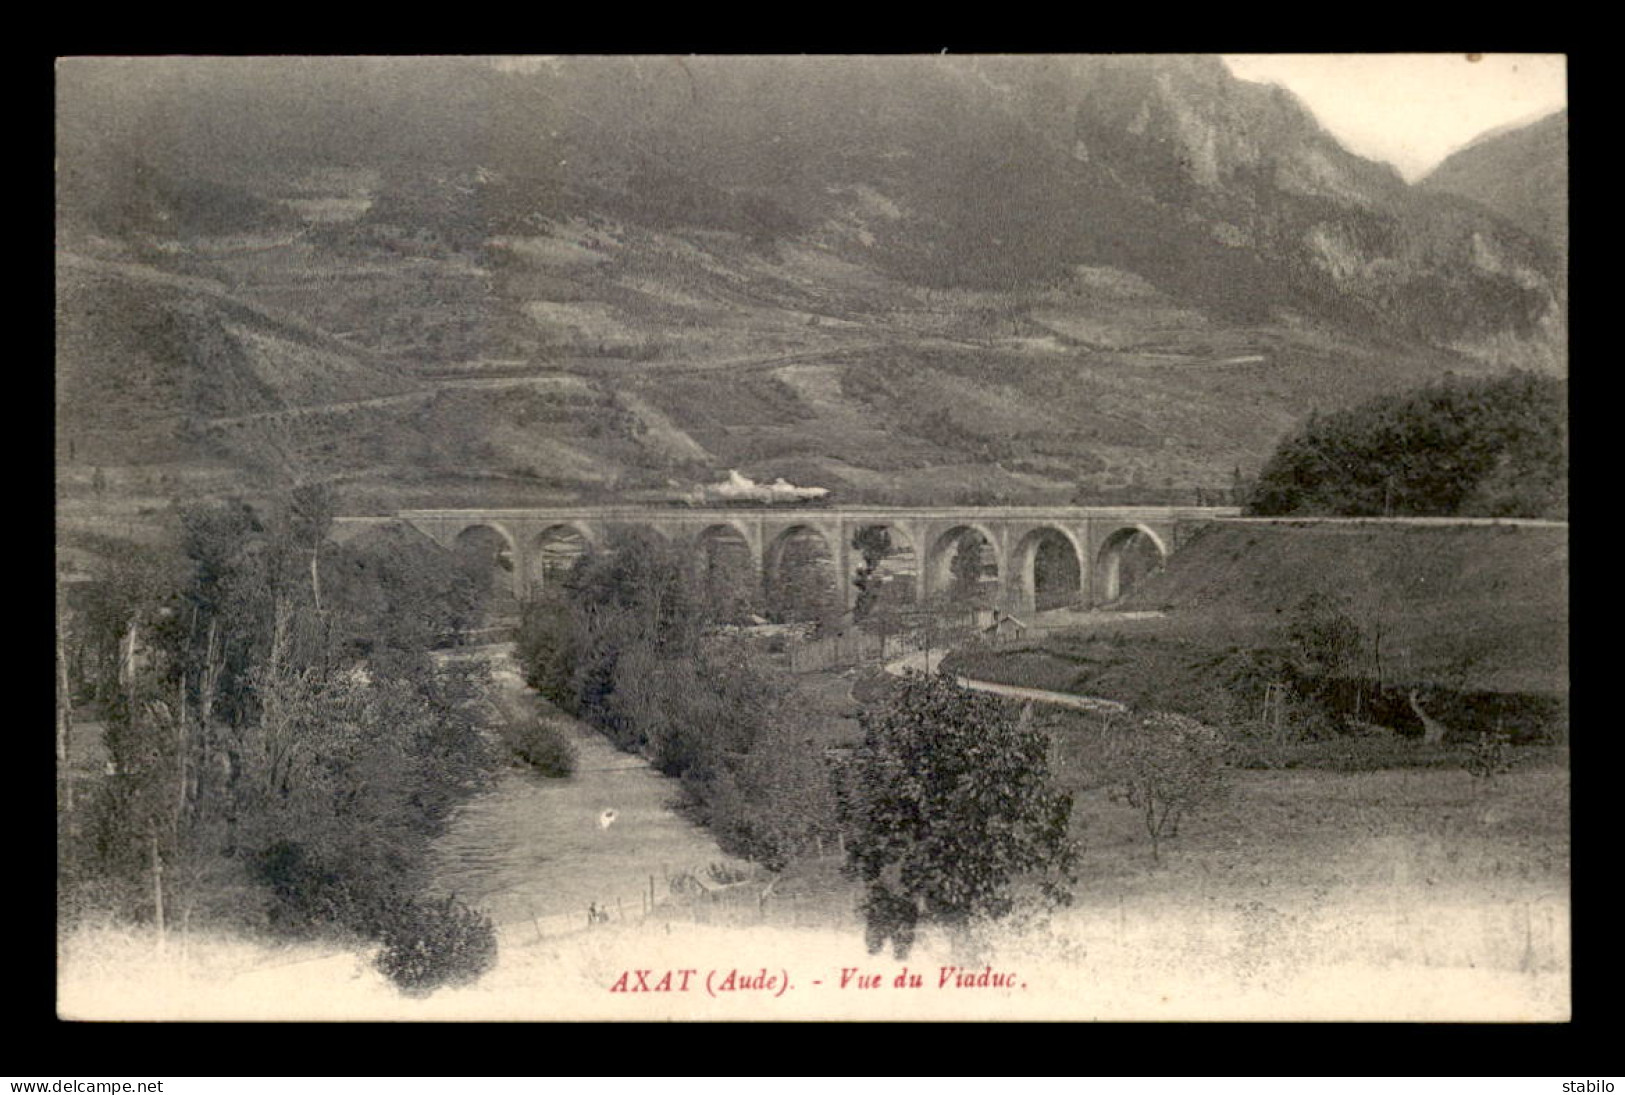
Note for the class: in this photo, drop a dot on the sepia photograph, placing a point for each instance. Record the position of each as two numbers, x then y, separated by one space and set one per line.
851 537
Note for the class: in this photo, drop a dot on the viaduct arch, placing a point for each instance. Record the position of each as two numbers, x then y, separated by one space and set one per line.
1126 555
899 575
802 574
973 549
1067 566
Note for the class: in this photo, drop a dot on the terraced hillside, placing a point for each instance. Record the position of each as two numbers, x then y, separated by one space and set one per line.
1020 279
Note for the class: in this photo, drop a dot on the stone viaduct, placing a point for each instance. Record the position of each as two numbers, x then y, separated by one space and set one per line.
534 544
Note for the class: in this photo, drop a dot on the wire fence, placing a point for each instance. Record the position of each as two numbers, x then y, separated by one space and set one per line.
866 648
683 897
872 648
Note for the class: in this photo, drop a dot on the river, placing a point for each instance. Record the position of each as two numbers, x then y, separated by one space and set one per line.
532 852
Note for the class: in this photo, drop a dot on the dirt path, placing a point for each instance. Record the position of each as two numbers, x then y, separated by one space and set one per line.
288 414
924 661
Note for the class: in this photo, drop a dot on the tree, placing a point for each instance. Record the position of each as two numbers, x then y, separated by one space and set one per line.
952 812
262 760
548 646
137 821
775 804
1166 766
620 647
873 542
311 508
1324 637
645 583
966 568
393 597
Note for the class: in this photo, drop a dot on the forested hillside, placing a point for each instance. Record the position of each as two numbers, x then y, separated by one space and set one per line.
1460 448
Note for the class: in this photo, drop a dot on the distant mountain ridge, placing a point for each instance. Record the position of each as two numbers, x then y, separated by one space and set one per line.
1522 174
1027 276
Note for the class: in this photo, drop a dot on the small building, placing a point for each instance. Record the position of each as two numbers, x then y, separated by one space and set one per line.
1002 625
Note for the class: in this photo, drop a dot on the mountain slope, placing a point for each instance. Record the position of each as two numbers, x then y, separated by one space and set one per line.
911 278
1522 174
144 358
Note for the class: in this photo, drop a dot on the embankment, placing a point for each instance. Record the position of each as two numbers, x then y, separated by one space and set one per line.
1472 617
1481 607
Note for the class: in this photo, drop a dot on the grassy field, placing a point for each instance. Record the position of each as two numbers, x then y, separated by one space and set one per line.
1306 895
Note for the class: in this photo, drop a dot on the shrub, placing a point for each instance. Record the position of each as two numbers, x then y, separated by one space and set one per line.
1490 755
306 893
543 745
436 944
1166 766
